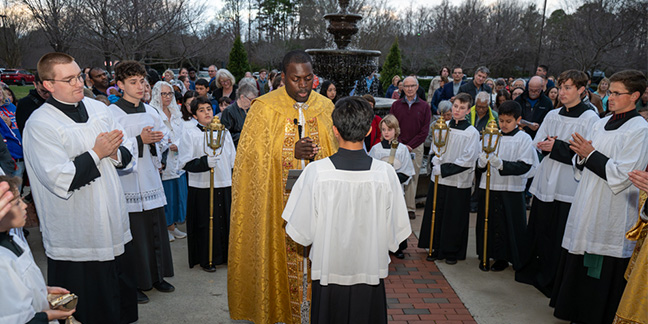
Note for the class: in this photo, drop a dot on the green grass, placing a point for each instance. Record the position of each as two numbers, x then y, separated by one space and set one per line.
21 91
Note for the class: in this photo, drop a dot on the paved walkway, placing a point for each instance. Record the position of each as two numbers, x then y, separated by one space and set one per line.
417 292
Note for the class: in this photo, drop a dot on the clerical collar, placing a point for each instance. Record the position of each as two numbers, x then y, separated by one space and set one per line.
575 111
201 127
7 242
129 108
77 111
462 124
511 133
617 120
385 144
351 160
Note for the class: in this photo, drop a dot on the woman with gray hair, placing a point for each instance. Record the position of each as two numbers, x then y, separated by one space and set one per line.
174 178
225 85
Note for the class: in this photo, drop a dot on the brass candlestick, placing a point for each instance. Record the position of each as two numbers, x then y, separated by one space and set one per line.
490 140
214 145
440 132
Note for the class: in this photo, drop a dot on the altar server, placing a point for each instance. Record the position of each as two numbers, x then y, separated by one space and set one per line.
143 189
596 252
73 147
554 184
456 169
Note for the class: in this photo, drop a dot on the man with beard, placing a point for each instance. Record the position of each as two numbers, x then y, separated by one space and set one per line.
100 82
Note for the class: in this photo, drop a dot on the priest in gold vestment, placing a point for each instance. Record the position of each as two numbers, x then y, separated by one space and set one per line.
266 280
633 308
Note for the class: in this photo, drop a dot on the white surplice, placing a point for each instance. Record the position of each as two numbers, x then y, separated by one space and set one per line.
603 211
23 292
555 180
87 224
516 148
351 218
402 155
194 147
142 185
463 150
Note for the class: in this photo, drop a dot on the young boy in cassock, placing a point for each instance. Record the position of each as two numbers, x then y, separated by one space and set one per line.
511 164
590 281
351 209
143 188
23 293
455 169
197 164
73 148
554 184
390 129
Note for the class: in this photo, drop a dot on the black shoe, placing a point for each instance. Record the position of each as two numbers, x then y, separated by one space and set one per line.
399 254
163 286
499 265
451 261
142 298
209 268
411 215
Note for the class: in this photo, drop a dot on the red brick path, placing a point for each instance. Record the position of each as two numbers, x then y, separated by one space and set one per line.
418 293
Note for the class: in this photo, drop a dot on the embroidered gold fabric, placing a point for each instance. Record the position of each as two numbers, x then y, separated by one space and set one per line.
633 308
265 268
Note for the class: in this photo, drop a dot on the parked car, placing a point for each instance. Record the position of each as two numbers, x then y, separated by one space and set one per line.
203 75
21 77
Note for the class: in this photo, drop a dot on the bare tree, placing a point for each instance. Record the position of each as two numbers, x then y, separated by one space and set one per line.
15 25
58 19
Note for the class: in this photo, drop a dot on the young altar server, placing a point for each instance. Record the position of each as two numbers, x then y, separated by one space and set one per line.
73 147
143 189
455 169
390 129
512 164
23 293
554 184
351 209
596 252
197 164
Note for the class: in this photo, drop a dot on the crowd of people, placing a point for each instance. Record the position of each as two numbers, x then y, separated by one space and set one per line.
116 162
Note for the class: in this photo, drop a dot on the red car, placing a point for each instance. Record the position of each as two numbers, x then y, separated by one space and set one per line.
20 77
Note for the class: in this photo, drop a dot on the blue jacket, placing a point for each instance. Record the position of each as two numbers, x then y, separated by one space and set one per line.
446 93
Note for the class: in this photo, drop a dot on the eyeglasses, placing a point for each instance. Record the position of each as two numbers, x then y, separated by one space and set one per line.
166 94
248 98
410 86
71 81
616 93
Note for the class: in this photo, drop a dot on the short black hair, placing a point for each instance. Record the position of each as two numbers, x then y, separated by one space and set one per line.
186 115
127 69
464 98
197 102
510 108
191 69
296 56
227 100
152 76
202 82
544 67
632 80
352 117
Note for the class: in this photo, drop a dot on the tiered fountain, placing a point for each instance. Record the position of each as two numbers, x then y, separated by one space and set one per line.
343 66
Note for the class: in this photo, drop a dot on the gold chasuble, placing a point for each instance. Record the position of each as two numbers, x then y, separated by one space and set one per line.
633 308
265 270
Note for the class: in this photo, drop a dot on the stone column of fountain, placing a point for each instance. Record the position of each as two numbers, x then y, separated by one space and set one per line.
343 66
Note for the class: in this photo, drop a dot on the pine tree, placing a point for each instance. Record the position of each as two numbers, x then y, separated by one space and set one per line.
392 66
238 60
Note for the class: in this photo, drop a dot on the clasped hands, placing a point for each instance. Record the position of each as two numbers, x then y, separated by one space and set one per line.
306 149
107 144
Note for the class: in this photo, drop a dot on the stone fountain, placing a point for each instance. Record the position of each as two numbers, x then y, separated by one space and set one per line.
343 66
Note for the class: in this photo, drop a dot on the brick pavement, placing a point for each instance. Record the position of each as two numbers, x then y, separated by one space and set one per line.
417 292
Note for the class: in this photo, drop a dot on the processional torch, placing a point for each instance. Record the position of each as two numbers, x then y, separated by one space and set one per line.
490 140
214 145
440 132
391 158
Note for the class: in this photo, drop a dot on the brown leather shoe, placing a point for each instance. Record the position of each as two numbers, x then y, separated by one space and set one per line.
411 214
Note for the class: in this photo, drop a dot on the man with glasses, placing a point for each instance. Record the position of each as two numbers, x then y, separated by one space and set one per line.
535 105
233 117
145 198
73 147
413 114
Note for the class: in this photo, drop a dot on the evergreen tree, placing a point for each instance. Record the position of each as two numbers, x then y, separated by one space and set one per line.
238 60
392 66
